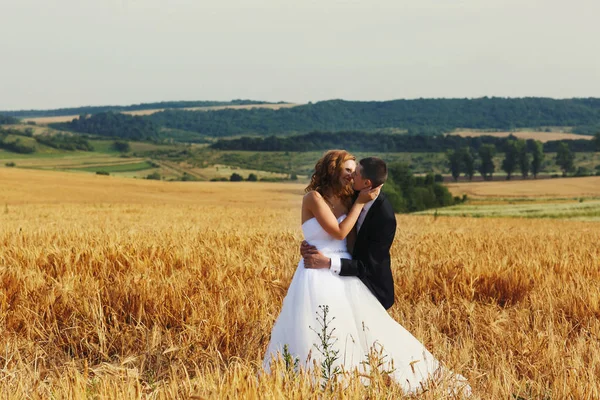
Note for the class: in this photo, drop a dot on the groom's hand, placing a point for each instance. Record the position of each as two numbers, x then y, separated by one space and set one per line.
317 260
306 249
313 258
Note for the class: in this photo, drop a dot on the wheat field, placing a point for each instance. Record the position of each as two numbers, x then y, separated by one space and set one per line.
530 188
118 288
524 134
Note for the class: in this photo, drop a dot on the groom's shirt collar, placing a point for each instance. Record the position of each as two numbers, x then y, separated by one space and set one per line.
368 206
363 213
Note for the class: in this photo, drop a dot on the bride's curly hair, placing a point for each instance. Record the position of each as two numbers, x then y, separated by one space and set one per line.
326 177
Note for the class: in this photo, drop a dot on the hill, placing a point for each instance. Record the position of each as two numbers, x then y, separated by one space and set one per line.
76 111
149 111
421 116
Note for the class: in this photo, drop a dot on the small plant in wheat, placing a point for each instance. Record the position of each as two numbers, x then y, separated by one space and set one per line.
375 364
291 362
326 346
375 359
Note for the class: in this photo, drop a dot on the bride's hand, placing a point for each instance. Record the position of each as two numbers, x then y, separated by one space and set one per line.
368 194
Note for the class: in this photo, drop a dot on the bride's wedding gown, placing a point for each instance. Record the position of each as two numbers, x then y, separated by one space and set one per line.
360 321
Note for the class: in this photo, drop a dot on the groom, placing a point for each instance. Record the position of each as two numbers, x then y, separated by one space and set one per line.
376 228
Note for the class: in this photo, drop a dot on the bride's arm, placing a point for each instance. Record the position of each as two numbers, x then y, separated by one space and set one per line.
315 203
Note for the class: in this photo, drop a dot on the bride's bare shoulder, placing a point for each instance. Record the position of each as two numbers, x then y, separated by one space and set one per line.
312 196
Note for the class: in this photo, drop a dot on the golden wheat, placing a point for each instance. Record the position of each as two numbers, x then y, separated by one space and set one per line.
113 288
541 136
532 188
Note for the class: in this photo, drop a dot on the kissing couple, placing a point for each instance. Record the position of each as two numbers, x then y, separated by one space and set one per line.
349 227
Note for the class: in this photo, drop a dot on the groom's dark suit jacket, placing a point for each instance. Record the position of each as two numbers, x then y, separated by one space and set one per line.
371 255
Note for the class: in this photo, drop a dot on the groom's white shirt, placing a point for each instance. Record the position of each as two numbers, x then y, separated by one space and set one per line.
336 262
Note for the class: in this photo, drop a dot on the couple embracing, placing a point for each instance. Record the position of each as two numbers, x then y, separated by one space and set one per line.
349 227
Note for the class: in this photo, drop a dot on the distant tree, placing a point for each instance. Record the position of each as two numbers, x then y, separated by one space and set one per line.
597 141
252 178
565 158
235 177
582 171
188 177
293 177
509 164
455 163
121 146
523 157
154 176
537 159
468 159
486 156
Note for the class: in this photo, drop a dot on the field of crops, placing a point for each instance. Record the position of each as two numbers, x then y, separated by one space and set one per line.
121 288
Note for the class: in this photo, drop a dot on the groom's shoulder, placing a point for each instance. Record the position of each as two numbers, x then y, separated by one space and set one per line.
386 206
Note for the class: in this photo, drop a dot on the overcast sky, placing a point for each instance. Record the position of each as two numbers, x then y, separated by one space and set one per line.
66 53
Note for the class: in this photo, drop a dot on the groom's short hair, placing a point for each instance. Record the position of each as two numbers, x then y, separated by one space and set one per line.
374 169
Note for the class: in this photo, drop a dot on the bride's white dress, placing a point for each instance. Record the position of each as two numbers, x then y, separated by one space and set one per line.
360 321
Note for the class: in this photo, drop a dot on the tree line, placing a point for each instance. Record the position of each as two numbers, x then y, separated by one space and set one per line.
8 120
420 116
518 156
111 124
65 142
134 107
11 140
383 142
425 117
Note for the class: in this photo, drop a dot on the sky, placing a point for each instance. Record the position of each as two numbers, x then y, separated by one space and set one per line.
69 53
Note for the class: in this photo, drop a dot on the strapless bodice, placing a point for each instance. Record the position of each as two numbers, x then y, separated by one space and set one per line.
316 236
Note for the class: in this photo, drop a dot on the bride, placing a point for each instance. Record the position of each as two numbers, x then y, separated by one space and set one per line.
331 314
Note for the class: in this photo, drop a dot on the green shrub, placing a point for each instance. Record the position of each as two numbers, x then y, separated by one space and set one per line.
235 177
154 176
408 193
252 178
121 146
188 177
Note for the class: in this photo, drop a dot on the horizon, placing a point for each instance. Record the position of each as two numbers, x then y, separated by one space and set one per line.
290 102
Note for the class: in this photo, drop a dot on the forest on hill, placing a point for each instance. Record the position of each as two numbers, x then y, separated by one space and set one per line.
382 142
427 117
111 124
420 116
